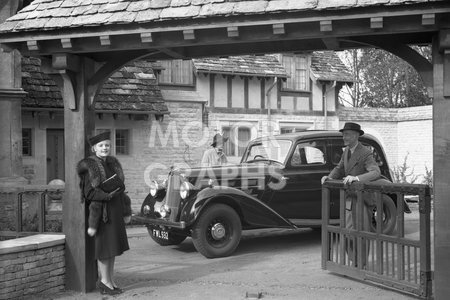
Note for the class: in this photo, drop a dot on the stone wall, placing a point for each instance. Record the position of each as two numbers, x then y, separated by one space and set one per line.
31 266
406 133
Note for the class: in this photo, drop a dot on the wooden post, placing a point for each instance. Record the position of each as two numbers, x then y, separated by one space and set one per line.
11 95
441 165
81 271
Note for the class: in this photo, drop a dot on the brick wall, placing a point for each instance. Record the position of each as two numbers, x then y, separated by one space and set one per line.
31 266
404 133
176 141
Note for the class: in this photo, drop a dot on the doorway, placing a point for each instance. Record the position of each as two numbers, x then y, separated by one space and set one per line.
55 154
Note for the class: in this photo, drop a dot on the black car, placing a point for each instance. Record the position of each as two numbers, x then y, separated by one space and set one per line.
276 184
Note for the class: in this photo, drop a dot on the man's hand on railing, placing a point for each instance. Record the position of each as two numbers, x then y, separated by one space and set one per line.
349 179
324 178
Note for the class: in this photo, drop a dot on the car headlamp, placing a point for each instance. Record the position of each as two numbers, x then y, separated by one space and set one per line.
185 189
155 187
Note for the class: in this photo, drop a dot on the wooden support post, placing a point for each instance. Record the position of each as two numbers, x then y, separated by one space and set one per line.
81 271
441 170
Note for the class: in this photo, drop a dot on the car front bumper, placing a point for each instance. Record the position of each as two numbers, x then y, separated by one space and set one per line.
158 222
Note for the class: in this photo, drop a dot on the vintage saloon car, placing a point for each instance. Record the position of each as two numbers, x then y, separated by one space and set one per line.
276 184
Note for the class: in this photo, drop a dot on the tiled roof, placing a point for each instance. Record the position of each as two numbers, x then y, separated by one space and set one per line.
326 65
246 65
56 14
132 88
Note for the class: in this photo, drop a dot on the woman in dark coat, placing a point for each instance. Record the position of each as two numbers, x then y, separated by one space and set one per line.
108 210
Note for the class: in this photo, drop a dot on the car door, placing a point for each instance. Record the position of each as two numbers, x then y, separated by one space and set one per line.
301 196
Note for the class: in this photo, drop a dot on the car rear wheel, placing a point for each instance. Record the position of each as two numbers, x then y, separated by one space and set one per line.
389 216
171 237
217 231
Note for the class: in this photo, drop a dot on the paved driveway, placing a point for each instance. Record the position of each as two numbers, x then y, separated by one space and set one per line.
271 264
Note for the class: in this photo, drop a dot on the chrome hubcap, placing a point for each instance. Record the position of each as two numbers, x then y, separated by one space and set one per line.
218 231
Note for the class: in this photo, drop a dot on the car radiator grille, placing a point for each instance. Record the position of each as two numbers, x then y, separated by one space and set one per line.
173 195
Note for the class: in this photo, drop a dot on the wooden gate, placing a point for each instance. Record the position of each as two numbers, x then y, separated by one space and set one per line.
398 260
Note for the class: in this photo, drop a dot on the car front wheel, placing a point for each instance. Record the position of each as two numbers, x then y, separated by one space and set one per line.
217 231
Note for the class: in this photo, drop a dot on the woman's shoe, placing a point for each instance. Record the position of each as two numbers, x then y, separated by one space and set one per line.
118 289
104 289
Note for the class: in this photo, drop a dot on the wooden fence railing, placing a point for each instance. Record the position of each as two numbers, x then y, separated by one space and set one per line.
399 260
15 196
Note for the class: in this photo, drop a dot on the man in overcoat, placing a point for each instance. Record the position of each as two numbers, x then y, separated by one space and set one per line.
357 164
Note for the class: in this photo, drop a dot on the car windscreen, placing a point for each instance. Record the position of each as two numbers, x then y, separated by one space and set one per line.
271 149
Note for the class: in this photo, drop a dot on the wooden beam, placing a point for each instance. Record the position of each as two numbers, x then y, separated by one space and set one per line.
326 25
189 34
105 40
146 37
233 31
428 19
441 174
66 43
81 270
376 23
278 28
331 43
447 74
172 53
32 45
64 61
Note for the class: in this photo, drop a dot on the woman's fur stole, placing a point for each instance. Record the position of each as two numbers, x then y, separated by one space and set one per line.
93 168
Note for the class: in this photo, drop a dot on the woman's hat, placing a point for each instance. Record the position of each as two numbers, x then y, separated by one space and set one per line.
219 139
352 126
99 138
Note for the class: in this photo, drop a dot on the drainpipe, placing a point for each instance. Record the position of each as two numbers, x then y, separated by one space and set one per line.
269 115
324 100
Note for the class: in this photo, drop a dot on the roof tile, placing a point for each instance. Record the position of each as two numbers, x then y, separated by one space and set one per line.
39 12
113 7
122 17
184 11
85 10
202 2
243 7
217 9
160 3
328 4
140 93
247 65
326 65
176 3
76 3
139 5
59 22
279 5
148 15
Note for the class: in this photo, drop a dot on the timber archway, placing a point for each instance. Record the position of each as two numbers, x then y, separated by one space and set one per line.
85 40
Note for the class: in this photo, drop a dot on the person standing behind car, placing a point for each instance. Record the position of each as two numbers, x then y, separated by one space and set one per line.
356 164
215 155
108 212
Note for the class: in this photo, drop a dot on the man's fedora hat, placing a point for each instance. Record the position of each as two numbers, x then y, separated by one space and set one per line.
99 138
219 139
352 126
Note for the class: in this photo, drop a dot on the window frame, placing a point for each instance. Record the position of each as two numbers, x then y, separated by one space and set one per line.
30 143
323 149
114 139
235 147
286 84
171 68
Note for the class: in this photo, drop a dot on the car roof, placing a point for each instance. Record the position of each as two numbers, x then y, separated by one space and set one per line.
294 136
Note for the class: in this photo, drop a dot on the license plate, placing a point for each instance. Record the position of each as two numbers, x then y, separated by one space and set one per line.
161 234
